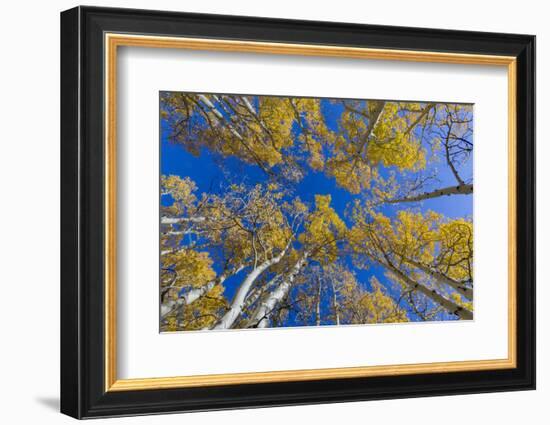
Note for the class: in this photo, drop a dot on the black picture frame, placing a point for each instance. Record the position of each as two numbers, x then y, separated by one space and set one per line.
82 212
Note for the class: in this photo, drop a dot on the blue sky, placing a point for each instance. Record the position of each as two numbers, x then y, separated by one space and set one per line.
206 172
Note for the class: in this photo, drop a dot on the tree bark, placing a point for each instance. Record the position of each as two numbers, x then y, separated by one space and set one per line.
441 278
373 118
318 304
193 295
261 316
447 304
236 308
464 189
220 116
335 305
178 220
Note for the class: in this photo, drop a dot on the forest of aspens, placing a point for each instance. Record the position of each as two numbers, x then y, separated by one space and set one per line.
289 211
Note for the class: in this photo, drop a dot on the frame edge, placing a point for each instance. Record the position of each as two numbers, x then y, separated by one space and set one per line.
70 380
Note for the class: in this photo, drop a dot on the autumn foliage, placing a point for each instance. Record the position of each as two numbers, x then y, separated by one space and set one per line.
262 250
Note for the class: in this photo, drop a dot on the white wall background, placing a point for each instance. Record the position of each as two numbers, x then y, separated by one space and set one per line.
29 214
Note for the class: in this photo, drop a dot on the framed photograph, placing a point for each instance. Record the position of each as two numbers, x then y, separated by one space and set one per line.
261 212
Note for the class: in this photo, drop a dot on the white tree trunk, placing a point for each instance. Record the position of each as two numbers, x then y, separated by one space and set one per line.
463 189
248 105
443 279
179 220
261 316
447 304
189 297
335 305
193 295
318 304
236 308
374 118
219 116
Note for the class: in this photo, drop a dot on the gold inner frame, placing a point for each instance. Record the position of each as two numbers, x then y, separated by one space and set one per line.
113 41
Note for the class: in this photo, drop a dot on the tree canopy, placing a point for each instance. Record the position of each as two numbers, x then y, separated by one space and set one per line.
286 211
